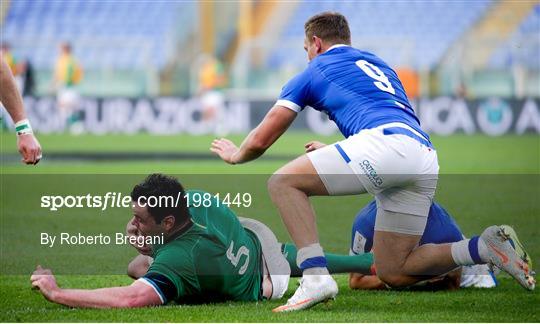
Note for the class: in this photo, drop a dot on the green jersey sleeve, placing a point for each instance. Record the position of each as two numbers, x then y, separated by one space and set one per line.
171 270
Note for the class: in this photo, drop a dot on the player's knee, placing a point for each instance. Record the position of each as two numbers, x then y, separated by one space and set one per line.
277 184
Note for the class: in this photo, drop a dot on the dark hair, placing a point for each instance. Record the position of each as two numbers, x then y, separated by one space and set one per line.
160 185
331 27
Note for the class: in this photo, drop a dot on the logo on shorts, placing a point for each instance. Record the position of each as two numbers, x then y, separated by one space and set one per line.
371 173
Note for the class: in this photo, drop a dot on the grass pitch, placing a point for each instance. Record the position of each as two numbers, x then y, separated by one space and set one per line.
473 188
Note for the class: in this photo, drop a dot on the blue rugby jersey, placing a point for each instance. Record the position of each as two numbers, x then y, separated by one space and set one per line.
356 89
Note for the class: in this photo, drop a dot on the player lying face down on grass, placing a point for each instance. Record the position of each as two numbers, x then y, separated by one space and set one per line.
207 256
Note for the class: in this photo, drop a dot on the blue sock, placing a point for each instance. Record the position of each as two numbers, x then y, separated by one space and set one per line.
311 260
474 250
315 262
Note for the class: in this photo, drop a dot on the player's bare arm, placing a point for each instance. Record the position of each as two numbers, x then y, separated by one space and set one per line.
9 95
274 124
11 99
137 294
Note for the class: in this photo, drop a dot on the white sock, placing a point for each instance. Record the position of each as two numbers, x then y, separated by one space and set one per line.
470 251
314 255
316 271
460 253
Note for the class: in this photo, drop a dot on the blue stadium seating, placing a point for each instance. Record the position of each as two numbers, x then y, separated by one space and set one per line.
104 34
523 47
412 33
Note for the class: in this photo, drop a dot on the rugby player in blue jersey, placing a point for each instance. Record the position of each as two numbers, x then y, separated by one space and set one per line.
386 153
440 228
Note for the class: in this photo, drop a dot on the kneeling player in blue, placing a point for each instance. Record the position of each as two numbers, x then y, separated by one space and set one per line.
440 228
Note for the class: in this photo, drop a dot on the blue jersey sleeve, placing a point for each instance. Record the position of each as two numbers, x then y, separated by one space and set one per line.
295 94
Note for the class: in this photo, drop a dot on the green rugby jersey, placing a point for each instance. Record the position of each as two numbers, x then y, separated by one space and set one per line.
216 259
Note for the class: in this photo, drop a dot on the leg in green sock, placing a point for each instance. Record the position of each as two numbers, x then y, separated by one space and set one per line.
337 263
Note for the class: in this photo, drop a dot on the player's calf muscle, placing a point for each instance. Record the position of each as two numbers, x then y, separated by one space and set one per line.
422 263
429 260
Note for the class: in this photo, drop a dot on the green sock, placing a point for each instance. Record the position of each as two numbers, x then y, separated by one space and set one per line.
337 263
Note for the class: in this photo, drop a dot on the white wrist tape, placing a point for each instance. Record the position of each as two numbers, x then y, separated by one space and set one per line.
23 127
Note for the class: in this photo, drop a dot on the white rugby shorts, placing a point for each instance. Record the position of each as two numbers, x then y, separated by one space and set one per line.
393 162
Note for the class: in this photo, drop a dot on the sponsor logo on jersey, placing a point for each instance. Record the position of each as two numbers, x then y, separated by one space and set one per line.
371 173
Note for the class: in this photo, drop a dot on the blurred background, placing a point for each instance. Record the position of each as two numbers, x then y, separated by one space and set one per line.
149 48
215 67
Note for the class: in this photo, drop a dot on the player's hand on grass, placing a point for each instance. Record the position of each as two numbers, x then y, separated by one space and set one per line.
29 148
44 280
225 149
313 145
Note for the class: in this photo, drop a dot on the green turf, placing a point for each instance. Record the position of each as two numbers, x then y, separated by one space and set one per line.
507 303
477 197
457 154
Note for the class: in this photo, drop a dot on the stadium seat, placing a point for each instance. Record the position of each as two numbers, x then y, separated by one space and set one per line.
427 27
523 46
32 26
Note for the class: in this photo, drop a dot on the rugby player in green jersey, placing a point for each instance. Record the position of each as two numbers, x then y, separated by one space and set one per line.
207 256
